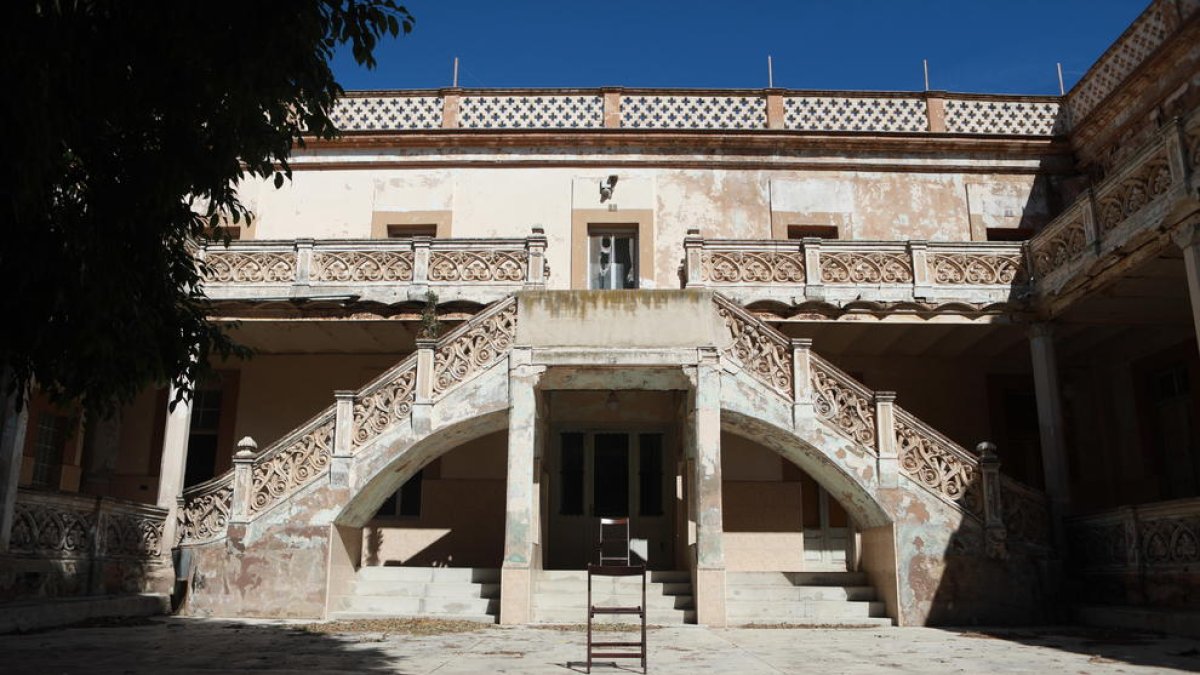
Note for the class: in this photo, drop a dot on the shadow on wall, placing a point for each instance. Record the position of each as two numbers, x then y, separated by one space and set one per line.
153 645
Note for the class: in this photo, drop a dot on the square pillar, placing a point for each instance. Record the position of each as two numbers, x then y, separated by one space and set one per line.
13 425
175 446
1050 420
520 517
705 438
1188 239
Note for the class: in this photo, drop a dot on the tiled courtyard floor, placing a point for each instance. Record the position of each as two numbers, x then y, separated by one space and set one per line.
189 646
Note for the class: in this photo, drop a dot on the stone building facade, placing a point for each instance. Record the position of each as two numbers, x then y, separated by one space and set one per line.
839 357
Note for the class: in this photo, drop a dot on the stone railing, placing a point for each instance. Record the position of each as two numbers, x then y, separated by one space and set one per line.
60 525
260 481
1144 36
1154 537
899 441
378 269
839 272
699 109
1129 204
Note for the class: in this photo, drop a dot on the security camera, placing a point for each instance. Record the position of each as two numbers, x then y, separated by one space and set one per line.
606 188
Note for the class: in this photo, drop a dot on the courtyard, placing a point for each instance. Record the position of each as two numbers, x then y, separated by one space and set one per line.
173 645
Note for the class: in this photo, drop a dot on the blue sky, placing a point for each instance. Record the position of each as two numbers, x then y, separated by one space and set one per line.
1001 46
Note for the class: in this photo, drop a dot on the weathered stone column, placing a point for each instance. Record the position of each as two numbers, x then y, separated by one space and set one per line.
706 479
13 425
516 576
174 451
1188 238
1050 419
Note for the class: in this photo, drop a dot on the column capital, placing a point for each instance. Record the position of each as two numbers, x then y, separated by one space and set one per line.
1041 329
885 397
1187 235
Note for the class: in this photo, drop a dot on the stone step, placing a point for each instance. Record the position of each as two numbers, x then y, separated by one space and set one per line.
391 605
774 592
661 617
843 622
785 579
352 616
477 575
426 588
601 585
656 576
557 600
806 609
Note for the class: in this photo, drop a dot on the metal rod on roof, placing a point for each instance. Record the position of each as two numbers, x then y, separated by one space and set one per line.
456 71
925 64
770 73
1061 90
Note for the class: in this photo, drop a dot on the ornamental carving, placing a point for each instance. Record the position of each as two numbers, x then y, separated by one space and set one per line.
938 465
390 402
362 266
1102 544
1170 541
851 267
1058 246
55 530
1122 199
130 535
976 269
465 354
1026 516
278 473
256 267
843 403
204 515
732 267
763 353
477 266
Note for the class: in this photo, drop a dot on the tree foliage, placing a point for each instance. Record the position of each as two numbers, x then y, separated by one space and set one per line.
128 126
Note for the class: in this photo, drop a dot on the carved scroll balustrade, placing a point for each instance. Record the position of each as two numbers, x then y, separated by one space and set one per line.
384 401
59 525
1026 513
847 405
292 462
205 509
1161 537
938 463
474 346
760 350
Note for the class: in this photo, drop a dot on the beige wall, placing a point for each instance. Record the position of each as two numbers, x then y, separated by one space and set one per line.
462 513
763 512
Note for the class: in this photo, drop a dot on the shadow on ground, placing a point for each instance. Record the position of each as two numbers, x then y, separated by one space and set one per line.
1102 645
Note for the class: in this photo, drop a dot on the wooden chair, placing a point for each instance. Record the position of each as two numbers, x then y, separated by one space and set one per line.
613 548
598 649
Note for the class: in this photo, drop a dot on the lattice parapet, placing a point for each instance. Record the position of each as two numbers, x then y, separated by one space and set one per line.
387 113
753 267
760 350
1060 243
693 112
1140 40
938 464
1122 196
250 267
478 266
384 402
292 463
474 346
532 112
206 509
844 403
827 113
987 116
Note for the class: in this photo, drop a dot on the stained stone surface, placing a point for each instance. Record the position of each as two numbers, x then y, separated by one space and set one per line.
195 645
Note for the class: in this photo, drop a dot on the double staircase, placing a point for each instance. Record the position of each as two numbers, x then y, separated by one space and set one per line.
560 597
465 593
843 599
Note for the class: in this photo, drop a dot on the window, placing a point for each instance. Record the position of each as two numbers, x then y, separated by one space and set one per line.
202 437
410 231
1009 233
818 231
52 434
405 502
612 258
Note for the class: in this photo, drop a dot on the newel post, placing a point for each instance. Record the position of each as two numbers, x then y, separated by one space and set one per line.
993 505
423 397
814 287
802 393
421 247
888 465
693 247
243 480
304 251
535 247
343 438
918 252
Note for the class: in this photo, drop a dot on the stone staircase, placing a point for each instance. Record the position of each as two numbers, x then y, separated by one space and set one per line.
560 597
466 593
803 598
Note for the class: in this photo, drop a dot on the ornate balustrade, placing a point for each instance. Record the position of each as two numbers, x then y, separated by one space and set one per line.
1128 205
261 480
839 272
687 109
379 270
61 526
1161 537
